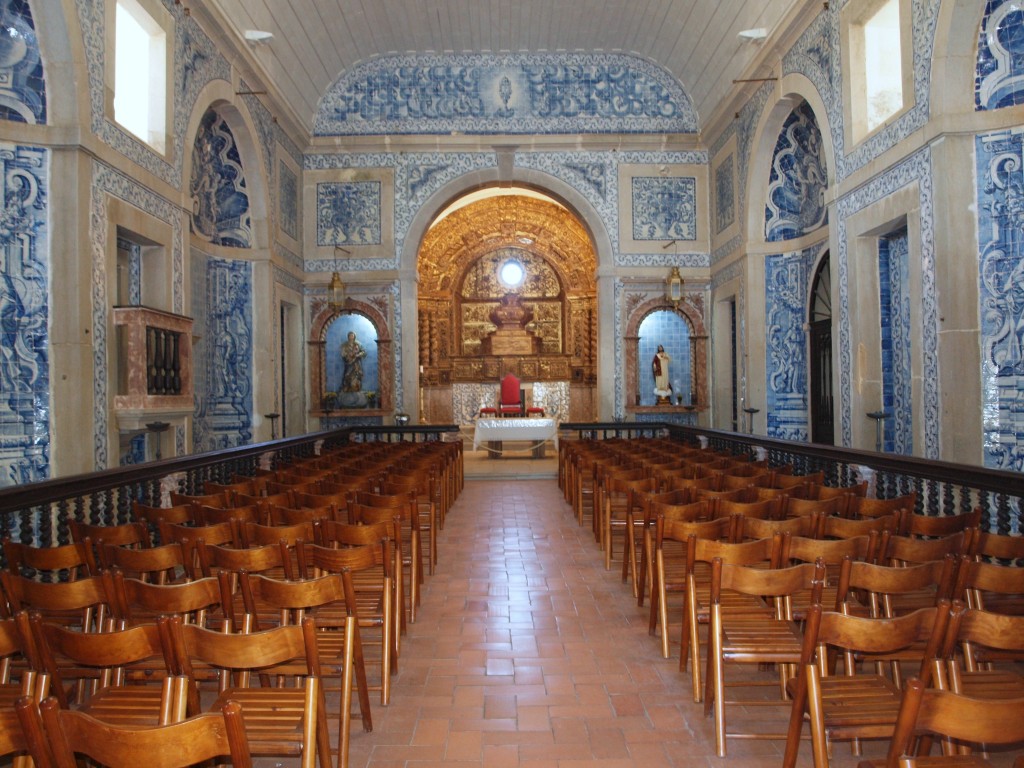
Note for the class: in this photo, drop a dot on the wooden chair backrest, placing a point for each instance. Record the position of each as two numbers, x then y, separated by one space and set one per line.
196 602
77 558
197 739
106 652
151 516
881 582
125 535
158 565
947 714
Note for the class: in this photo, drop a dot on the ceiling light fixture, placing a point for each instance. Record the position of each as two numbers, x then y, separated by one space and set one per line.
258 36
755 35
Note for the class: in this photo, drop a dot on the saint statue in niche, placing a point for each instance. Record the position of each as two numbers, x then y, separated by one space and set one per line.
662 382
352 354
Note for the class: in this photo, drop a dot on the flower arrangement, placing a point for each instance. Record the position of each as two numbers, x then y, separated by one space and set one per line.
329 401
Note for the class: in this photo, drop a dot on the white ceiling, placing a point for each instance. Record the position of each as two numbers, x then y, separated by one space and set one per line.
316 41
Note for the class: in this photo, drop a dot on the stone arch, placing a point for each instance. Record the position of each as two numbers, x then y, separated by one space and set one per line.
219 96
322 314
796 88
573 200
953 66
690 309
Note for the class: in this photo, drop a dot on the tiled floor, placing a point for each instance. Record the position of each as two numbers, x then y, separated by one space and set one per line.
527 652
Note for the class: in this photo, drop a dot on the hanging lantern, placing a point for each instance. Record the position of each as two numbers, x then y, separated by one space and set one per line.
336 292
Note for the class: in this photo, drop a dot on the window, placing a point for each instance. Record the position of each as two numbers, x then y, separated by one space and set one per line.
140 73
877 46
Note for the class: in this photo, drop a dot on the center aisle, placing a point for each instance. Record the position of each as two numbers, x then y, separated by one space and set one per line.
527 652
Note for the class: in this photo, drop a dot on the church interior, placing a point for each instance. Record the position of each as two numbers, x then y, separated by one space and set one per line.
259 253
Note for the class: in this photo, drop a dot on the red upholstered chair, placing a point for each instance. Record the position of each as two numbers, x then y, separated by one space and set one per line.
511 401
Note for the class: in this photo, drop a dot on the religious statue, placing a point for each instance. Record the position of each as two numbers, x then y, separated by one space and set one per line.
662 384
352 354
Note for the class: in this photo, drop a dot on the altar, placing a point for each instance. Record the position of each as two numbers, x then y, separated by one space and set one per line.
494 431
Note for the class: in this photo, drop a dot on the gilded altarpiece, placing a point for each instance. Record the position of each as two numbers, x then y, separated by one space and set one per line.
465 305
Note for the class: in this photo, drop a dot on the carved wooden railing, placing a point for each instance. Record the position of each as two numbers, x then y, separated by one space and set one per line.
38 513
942 488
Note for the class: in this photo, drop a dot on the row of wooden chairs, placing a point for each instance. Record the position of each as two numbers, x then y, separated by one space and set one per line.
841 700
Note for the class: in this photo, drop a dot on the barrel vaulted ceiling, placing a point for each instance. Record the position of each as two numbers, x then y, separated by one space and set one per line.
317 42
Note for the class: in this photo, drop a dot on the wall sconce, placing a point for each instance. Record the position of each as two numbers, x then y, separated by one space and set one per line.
336 292
674 287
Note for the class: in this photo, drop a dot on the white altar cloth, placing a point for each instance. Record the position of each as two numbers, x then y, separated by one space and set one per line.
534 430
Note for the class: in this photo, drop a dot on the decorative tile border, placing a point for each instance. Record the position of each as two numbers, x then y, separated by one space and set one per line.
514 93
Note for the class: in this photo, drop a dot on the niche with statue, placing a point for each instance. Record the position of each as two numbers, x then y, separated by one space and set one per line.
351 363
351 358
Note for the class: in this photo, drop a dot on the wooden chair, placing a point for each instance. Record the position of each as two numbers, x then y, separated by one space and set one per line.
85 605
19 663
22 741
272 560
700 553
152 516
991 587
671 540
281 721
617 498
239 514
188 536
411 544
369 560
982 653
296 600
650 506
55 736
132 684
134 535
952 716
854 705
431 514
877 591
920 526
738 636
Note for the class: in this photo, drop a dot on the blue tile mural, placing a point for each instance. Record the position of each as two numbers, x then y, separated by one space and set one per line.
223 359
348 213
664 208
670 330
725 195
22 82
24 315
220 201
353 387
288 195
999 79
796 186
1000 158
508 94
787 280
894 307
